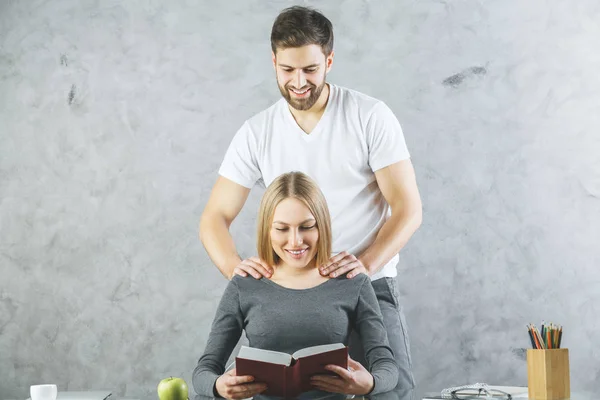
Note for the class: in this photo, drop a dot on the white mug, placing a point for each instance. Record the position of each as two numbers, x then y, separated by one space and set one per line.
43 392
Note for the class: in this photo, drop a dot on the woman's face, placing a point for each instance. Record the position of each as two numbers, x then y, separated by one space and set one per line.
294 233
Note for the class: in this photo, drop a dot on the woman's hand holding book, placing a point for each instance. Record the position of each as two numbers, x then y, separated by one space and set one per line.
354 380
230 386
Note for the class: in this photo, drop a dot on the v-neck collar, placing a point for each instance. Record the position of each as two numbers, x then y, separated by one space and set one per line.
319 126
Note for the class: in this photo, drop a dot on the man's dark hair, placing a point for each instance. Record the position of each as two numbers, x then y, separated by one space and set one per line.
301 26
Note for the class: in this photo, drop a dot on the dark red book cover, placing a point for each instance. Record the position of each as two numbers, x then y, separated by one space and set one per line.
289 382
274 375
308 366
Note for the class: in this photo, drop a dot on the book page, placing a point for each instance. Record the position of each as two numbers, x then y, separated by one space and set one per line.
309 351
517 392
514 391
273 357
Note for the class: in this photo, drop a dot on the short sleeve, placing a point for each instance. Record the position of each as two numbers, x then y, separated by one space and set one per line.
240 164
385 138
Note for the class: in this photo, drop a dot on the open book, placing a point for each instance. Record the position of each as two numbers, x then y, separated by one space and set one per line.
516 392
88 395
289 375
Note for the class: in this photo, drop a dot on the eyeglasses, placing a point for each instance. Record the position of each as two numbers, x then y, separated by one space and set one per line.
477 391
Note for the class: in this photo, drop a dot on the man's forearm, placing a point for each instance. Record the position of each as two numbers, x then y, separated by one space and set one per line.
392 237
215 236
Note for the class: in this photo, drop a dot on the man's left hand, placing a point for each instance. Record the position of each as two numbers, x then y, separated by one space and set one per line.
342 263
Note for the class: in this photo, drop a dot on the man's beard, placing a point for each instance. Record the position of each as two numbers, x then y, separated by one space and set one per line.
302 104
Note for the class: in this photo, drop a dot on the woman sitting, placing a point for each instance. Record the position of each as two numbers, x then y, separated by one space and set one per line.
296 307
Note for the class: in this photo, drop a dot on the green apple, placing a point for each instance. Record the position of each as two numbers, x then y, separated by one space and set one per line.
172 389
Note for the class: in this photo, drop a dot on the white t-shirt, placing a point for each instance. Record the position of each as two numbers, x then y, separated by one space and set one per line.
356 136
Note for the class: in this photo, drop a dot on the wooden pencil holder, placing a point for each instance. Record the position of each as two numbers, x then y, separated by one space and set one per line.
548 374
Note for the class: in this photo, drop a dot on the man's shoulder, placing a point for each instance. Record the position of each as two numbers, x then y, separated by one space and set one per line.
351 97
265 117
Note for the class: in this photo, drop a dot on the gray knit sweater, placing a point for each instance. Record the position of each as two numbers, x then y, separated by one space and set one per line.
286 320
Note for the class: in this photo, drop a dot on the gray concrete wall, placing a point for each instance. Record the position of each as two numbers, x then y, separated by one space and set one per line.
114 117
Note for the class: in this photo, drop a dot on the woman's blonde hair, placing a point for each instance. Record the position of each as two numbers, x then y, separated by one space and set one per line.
299 186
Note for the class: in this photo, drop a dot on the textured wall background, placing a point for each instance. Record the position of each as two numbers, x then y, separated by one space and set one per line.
114 117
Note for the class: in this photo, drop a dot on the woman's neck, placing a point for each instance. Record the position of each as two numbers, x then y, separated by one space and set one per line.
297 278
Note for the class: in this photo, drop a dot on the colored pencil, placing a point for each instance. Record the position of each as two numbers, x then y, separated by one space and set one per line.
548 337
538 337
559 336
531 337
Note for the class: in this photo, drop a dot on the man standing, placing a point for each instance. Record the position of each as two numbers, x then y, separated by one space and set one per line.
352 145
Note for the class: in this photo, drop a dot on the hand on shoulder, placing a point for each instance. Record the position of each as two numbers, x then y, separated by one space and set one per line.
254 267
343 263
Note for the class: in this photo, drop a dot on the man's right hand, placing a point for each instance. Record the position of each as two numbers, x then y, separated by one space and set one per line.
253 266
230 386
